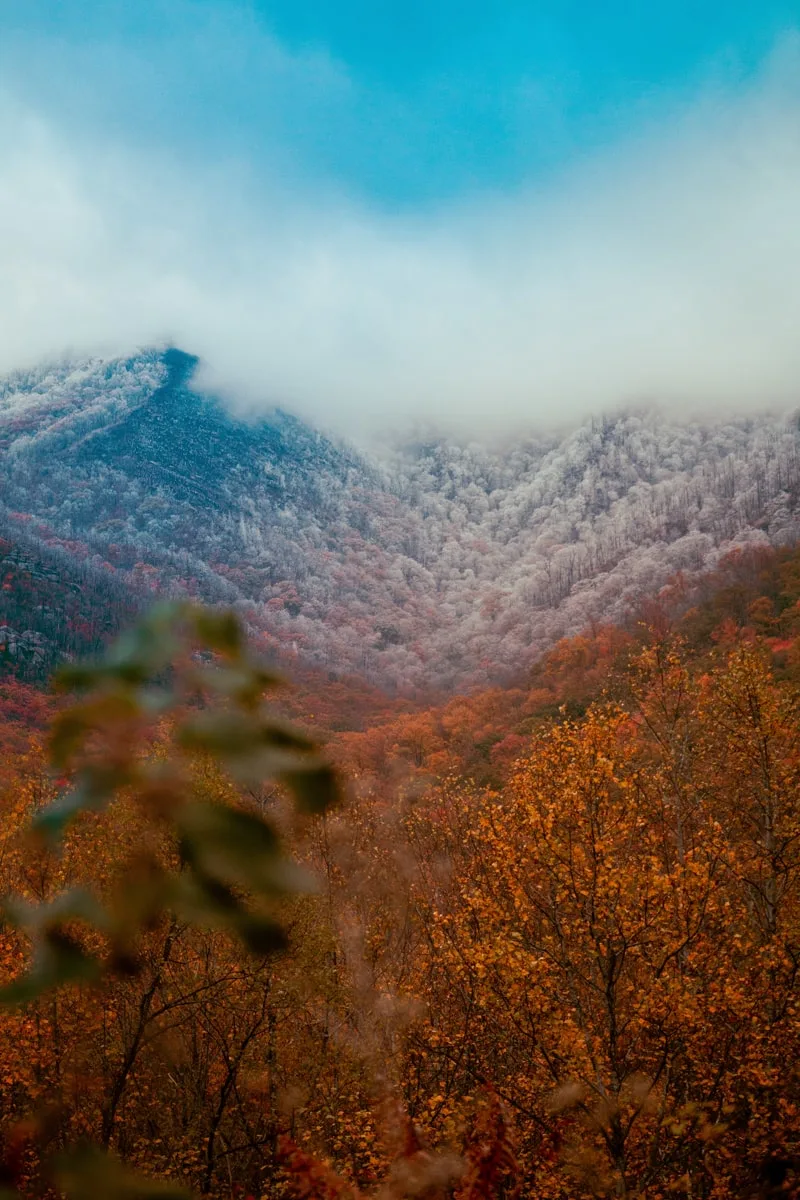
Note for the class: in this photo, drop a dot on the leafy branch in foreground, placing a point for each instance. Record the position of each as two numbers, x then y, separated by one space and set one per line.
185 671
175 706
188 667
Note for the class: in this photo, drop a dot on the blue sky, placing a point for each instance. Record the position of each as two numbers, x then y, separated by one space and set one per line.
384 211
402 102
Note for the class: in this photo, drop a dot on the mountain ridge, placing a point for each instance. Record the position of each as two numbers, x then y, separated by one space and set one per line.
436 563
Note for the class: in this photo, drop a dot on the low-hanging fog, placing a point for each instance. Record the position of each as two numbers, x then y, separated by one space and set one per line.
665 268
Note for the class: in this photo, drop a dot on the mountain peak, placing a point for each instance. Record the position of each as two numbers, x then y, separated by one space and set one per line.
443 562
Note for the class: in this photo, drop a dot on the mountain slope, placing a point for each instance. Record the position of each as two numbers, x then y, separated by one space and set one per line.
436 564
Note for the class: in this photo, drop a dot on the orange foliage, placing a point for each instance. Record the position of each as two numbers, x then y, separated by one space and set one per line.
561 921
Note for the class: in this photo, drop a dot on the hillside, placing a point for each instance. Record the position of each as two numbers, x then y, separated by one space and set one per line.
432 563
557 926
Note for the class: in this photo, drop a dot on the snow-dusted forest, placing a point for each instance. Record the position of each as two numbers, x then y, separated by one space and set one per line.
433 562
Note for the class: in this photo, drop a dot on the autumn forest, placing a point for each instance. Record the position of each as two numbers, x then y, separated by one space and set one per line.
535 940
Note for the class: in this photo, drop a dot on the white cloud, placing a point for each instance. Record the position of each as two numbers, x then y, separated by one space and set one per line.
667 269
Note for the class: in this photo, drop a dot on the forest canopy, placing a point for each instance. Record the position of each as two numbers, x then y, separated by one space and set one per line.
537 941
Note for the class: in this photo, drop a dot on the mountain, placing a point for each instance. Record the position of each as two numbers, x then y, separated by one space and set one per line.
431 563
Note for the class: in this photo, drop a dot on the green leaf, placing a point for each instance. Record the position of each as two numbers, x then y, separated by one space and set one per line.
57 960
231 845
246 685
50 822
69 729
149 647
75 904
57 957
79 677
227 734
86 1173
66 735
238 735
282 735
261 935
94 788
204 901
138 904
221 631
263 763
315 788
155 701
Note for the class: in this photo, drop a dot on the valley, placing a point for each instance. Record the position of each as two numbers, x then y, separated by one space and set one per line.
427 564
